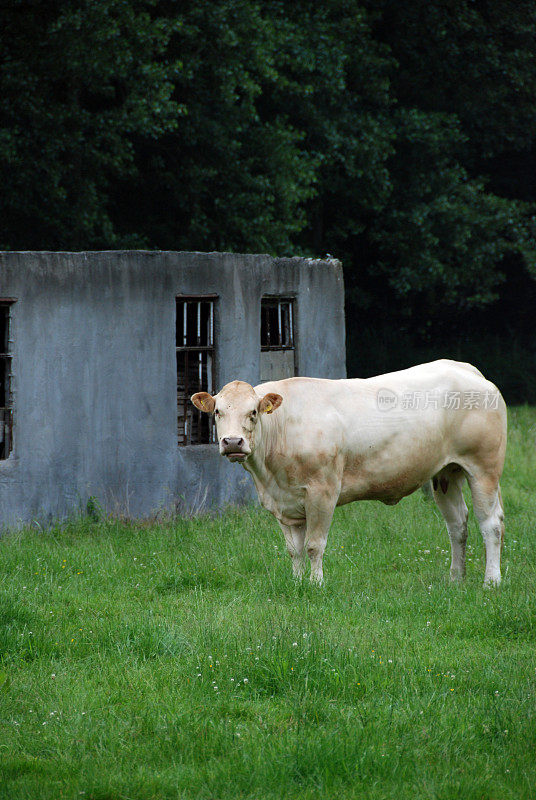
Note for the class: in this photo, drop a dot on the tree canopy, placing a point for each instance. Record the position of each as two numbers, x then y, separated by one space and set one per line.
395 135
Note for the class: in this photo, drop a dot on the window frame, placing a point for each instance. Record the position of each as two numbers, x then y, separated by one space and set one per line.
203 426
6 356
279 301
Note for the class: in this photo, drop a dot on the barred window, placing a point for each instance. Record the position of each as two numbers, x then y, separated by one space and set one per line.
277 339
277 326
6 374
195 366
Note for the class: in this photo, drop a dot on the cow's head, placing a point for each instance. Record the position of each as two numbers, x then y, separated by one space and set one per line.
237 408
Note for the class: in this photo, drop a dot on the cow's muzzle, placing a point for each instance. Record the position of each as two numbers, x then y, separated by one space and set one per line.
234 447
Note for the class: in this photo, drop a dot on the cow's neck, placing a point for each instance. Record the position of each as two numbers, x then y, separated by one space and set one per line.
265 444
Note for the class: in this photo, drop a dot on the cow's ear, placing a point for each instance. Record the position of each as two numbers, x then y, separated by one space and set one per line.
204 402
269 403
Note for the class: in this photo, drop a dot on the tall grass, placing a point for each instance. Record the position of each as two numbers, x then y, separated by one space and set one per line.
180 660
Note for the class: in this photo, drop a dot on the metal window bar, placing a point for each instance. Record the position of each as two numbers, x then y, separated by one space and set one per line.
6 379
195 367
277 324
290 324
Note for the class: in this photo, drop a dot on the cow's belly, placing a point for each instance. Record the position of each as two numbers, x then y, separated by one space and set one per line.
389 492
381 480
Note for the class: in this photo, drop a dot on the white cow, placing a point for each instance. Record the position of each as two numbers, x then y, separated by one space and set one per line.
313 444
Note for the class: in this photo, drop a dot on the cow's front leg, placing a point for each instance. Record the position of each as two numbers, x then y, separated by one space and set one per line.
294 539
319 508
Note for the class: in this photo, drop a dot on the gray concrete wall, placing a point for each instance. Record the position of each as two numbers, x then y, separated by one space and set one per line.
95 372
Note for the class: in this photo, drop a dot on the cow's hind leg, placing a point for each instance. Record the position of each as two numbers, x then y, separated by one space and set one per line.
488 508
294 539
447 490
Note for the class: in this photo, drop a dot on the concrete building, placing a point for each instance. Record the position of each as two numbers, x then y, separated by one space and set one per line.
101 350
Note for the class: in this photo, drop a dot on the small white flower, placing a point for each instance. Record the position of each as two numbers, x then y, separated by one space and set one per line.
294 644
245 680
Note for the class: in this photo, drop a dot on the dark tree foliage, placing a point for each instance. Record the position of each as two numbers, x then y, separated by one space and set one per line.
397 135
465 86
228 177
78 82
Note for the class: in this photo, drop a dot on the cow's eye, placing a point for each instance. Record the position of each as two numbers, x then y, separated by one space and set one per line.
216 413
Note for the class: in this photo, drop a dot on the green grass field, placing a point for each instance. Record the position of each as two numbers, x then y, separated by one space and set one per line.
180 660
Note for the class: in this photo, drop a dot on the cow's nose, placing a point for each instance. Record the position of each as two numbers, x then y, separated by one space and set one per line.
232 444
